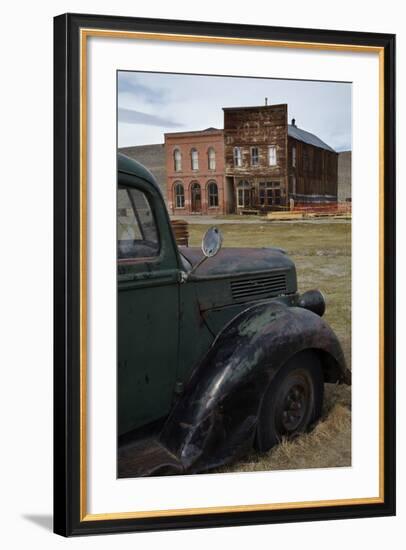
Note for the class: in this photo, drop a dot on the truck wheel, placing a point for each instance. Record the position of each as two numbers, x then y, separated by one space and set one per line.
293 400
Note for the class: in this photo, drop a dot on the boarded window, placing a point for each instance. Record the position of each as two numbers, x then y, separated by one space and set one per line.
294 156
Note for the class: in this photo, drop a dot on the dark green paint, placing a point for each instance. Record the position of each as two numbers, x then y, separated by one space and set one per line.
166 324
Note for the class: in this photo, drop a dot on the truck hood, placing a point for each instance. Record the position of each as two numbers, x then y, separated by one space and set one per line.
238 261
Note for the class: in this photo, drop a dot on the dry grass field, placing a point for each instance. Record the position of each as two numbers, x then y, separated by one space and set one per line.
322 253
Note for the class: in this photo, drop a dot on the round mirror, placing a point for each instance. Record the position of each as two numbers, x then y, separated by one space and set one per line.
211 243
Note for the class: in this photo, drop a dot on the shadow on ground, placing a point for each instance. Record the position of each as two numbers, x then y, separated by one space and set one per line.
42 520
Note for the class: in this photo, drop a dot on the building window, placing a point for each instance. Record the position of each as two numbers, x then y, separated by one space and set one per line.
237 156
179 196
194 156
272 155
293 184
211 154
177 160
269 193
305 159
254 156
243 194
213 193
294 157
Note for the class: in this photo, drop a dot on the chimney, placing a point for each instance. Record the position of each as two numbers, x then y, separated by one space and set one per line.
293 122
266 101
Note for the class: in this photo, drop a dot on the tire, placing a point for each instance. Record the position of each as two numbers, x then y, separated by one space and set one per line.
292 402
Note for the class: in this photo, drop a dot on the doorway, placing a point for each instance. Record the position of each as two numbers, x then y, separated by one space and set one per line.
196 197
244 194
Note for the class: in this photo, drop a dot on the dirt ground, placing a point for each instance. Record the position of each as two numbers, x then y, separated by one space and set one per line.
322 253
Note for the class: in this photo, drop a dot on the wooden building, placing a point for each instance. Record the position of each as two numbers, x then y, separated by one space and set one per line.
312 168
271 165
257 163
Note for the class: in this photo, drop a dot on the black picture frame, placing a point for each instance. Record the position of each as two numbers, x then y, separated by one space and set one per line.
68 519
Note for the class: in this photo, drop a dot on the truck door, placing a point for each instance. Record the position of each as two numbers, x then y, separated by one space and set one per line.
147 305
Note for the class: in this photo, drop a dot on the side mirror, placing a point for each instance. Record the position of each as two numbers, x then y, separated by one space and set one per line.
212 242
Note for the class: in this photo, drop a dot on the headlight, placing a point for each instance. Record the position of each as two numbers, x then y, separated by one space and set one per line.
313 300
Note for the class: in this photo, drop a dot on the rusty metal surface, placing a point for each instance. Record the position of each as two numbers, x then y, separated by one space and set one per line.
215 421
238 261
146 457
218 417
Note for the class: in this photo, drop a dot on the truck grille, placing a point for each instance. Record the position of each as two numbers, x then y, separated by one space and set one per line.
256 288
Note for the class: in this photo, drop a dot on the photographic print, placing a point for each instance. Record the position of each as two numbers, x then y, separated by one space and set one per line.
224 274
233 274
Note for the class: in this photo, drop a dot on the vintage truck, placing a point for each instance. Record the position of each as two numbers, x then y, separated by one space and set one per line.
217 350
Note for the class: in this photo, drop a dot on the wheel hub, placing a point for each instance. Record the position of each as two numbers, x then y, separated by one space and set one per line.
294 408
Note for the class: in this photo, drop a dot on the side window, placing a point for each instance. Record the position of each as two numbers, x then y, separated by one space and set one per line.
137 235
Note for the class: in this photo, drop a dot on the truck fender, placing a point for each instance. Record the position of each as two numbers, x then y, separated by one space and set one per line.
216 417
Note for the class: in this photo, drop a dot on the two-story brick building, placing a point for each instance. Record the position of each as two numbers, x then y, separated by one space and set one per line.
258 163
195 172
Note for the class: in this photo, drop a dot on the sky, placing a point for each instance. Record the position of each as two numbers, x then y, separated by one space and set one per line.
150 104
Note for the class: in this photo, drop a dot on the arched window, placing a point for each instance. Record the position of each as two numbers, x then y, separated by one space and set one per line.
211 154
243 194
177 160
194 157
179 195
213 194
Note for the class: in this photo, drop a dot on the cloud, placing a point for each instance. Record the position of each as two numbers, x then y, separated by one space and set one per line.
196 101
128 116
129 83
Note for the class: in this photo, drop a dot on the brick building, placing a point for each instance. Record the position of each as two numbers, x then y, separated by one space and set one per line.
195 172
258 163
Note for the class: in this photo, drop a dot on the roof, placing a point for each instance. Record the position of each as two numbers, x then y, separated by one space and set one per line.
307 137
210 130
149 147
131 166
254 107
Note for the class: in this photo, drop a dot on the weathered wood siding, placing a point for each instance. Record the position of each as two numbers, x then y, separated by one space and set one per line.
260 127
315 173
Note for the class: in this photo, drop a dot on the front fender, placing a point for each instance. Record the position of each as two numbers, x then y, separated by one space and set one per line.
216 417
